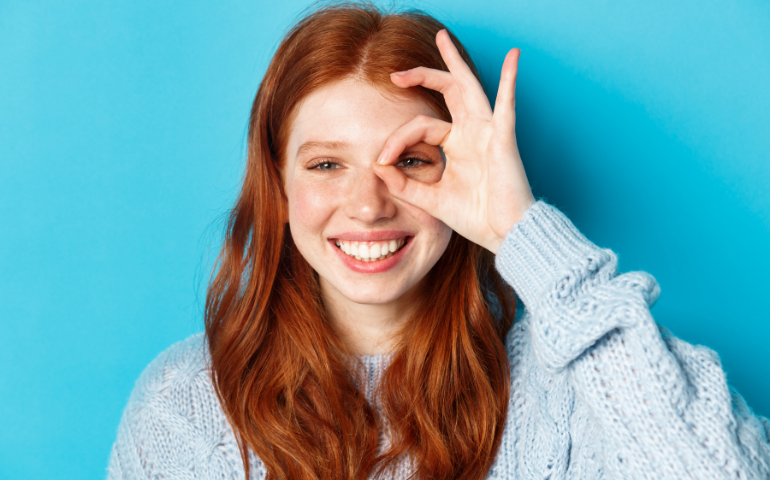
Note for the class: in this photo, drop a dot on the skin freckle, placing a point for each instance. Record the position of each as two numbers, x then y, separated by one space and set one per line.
347 124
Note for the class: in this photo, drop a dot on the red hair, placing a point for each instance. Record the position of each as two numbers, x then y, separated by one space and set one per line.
283 377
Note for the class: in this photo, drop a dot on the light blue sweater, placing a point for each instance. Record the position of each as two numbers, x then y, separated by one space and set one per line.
598 389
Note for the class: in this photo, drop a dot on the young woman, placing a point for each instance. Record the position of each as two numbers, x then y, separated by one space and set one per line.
360 322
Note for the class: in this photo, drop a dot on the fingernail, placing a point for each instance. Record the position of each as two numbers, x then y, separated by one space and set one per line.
382 157
403 72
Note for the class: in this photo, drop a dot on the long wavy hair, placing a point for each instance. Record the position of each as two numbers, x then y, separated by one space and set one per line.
285 380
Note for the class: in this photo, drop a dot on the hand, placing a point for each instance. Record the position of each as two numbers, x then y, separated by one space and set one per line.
484 190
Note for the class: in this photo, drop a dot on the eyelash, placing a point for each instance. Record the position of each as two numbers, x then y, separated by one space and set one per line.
317 165
424 162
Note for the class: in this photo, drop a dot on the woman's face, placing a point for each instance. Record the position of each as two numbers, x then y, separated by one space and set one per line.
337 204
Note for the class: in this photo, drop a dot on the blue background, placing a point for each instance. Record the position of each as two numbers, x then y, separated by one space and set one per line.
122 136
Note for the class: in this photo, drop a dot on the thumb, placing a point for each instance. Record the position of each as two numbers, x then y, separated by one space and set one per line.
413 192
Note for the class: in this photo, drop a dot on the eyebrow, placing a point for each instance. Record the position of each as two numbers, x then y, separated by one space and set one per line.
311 146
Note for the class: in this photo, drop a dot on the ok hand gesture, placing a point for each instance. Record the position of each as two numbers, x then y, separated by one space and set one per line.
484 190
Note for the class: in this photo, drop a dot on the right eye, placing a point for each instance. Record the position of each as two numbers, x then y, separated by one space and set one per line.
324 165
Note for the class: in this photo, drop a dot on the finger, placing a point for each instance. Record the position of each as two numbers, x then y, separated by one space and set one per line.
427 77
473 94
421 128
439 80
422 195
505 103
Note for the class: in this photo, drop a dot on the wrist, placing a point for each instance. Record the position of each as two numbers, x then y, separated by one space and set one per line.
539 249
514 216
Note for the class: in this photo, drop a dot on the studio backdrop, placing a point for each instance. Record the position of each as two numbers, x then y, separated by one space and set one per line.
122 141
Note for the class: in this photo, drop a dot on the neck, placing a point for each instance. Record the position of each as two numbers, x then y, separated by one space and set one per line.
367 329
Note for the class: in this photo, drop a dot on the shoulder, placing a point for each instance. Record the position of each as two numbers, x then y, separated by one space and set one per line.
173 421
180 365
176 388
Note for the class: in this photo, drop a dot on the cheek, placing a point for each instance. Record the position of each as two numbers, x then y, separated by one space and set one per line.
435 232
310 205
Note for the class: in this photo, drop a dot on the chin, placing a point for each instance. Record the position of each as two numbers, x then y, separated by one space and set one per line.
373 297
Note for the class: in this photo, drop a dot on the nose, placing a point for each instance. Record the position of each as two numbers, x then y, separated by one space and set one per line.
368 199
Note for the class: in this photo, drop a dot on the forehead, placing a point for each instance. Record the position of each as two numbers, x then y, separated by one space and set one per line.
351 112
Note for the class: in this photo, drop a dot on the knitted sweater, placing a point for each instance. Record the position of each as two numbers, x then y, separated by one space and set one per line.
598 389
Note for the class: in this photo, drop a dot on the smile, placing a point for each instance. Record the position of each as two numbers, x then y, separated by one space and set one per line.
371 251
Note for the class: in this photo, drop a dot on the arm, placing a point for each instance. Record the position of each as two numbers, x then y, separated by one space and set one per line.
667 412
663 404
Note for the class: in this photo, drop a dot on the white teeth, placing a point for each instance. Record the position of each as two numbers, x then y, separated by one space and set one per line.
370 251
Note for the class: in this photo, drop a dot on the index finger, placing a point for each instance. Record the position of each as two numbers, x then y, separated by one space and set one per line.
421 128
473 94
433 79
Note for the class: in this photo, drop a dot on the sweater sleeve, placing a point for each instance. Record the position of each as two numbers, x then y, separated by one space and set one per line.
663 405
171 427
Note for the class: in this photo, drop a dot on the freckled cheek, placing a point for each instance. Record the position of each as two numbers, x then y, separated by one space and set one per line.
310 206
435 233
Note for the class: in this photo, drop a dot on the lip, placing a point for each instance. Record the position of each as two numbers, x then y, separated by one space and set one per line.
375 236
378 266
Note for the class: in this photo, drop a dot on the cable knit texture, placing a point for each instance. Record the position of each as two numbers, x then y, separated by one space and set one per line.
598 389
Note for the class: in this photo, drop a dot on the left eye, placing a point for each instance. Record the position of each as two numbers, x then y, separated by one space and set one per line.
412 162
